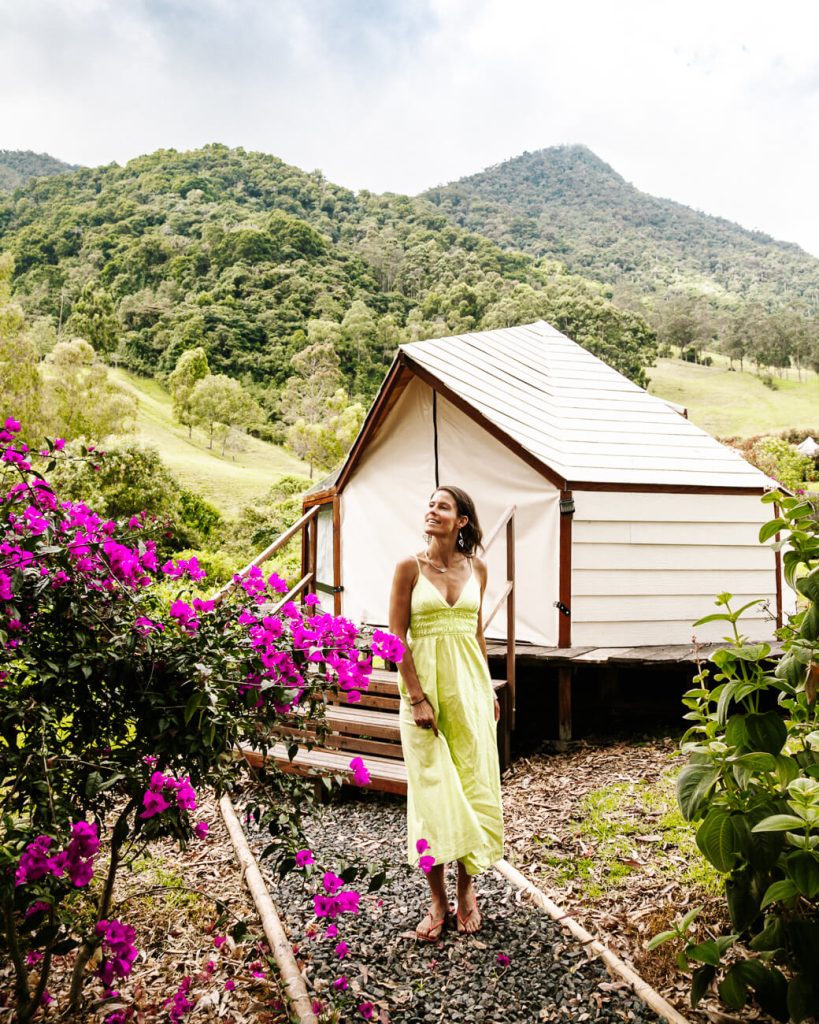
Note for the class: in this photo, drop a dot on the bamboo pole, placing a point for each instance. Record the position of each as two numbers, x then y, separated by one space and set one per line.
640 988
294 986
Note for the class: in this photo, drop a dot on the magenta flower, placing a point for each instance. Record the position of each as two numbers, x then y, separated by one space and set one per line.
366 1010
59 444
341 984
387 646
348 902
361 776
426 864
47 999
155 803
34 957
230 985
503 960
341 950
219 941
332 883
12 425
304 858
332 931
201 828
311 600
421 845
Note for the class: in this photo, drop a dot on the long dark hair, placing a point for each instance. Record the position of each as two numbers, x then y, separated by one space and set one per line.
471 533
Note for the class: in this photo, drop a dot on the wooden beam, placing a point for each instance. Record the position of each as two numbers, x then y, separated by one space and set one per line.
511 701
337 555
564 619
601 485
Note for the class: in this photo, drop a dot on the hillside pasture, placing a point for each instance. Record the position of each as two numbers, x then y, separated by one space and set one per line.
735 403
226 482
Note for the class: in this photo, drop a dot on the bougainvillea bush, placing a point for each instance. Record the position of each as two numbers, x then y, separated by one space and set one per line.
121 694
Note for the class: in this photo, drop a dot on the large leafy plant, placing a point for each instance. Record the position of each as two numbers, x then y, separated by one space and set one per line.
752 785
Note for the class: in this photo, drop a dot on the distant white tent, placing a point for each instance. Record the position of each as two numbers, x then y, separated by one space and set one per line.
629 517
808 447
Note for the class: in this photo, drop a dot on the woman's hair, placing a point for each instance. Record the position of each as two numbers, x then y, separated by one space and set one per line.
471 532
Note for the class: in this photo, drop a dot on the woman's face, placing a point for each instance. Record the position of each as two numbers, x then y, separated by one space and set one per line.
442 519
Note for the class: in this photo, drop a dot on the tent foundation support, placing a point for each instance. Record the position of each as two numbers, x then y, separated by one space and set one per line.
564 703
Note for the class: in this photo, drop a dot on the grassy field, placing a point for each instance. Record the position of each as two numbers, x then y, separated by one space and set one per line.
733 403
226 483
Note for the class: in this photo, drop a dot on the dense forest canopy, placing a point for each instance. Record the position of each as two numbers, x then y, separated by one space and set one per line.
17 166
566 203
254 260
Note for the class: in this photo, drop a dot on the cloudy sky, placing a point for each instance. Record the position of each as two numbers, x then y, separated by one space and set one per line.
714 104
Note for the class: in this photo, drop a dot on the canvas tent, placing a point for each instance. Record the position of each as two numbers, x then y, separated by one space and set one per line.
808 447
629 518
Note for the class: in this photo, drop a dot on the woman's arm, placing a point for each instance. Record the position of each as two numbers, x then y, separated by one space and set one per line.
406 574
479 568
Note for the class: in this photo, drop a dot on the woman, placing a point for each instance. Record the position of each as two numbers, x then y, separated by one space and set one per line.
448 717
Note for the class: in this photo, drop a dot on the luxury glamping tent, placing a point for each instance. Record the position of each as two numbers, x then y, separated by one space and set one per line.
628 518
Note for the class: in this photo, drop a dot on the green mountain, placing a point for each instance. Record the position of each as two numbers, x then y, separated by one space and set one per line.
18 165
566 203
256 260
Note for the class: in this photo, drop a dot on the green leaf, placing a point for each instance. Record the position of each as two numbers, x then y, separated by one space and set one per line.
766 732
714 617
772 936
778 892
803 868
688 919
705 953
808 586
193 704
779 823
733 989
717 840
755 762
770 529
803 997
694 783
702 978
660 939
786 769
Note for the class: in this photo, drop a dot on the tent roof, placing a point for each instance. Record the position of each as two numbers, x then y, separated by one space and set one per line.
808 447
575 414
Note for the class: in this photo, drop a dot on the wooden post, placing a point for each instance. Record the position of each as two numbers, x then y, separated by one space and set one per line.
510 622
313 555
564 607
337 555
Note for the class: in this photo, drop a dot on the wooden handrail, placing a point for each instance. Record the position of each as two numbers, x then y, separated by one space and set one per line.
294 591
499 525
271 549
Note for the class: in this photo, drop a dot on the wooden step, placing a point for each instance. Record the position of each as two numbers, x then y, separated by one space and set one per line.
386 775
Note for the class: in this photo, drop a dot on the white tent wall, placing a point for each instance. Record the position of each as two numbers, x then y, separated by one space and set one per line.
495 478
383 504
645 567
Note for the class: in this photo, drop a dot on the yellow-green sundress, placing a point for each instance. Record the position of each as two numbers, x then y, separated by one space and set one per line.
453 794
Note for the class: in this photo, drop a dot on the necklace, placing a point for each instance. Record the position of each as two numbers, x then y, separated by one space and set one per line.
432 565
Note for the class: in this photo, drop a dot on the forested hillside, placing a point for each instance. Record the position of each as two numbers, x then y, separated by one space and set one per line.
256 261
566 203
18 165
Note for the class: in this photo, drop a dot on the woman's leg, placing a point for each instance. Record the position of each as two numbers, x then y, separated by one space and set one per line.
432 925
469 916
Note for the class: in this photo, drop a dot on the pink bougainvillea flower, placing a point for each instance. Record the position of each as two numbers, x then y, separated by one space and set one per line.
332 883
256 970
150 760
421 846
304 858
201 828
13 425
154 803
361 776
230 985
34 957
311 600
341 984
59 444
47 999
341 950
332 931
348 902
426 864
366 1010
219 940
503 960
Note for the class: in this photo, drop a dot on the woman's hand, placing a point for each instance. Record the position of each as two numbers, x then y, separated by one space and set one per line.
424 716
497 710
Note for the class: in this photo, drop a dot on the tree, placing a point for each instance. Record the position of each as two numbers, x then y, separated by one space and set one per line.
81 400
220 404
323 442
94 319
20 384
191 367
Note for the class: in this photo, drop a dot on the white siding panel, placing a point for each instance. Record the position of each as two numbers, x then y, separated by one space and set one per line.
655 556
606 506
654 608
640 634
705 582
703 534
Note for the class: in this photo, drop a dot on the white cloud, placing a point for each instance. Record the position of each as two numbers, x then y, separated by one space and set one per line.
713 104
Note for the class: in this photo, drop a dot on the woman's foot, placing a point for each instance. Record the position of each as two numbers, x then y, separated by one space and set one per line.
431 927
469 916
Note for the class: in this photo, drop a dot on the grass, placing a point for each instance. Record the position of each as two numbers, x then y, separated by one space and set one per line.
226 482
736 403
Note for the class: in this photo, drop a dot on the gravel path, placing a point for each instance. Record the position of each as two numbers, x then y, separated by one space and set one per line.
459 979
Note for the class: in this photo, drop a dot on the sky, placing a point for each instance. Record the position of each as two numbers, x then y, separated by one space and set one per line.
714 104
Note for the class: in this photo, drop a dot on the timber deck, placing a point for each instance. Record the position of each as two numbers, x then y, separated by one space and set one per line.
675 654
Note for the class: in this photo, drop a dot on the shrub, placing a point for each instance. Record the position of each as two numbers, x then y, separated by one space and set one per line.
780 460
752 784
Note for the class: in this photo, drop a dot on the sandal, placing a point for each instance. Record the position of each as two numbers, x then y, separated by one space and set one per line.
434 932
462 929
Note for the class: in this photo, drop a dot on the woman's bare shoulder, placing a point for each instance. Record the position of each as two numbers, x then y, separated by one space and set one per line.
406 568
479 568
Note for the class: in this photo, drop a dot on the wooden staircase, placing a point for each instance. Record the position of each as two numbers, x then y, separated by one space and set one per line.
368 729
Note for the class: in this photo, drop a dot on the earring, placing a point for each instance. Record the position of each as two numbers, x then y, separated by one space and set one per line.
460 538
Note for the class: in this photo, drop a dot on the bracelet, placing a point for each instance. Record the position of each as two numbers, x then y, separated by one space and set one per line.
419 701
